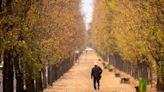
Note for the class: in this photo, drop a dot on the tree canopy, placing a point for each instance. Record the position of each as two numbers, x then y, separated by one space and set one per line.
40 32
132 29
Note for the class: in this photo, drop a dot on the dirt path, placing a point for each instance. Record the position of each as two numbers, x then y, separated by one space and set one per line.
78 78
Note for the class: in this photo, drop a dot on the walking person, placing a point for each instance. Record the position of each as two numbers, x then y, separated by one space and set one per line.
76 56
96 76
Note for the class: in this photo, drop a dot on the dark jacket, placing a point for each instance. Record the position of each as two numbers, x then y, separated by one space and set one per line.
96 72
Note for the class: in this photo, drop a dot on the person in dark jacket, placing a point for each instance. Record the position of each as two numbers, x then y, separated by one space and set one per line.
96 75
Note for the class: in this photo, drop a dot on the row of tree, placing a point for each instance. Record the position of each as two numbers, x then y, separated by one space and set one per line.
35 34
132 29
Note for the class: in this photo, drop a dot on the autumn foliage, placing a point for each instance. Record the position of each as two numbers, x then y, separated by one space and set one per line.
133 29
36 33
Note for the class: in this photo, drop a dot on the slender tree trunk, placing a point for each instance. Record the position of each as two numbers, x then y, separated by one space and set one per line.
8 71
39 87
30 86
19 76
44 78
50 75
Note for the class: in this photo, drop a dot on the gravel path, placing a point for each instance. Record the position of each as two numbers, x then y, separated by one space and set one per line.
78 78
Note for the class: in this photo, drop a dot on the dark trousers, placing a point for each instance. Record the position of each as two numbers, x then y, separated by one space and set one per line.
96 81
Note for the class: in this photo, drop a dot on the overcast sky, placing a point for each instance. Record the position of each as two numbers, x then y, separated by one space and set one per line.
87 11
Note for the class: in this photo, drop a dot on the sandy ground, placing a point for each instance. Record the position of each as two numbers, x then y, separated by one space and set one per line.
78 78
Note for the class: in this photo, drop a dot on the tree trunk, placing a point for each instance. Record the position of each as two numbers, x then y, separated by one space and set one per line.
19 76
44 77
50 75
39 87
30 87
8 71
